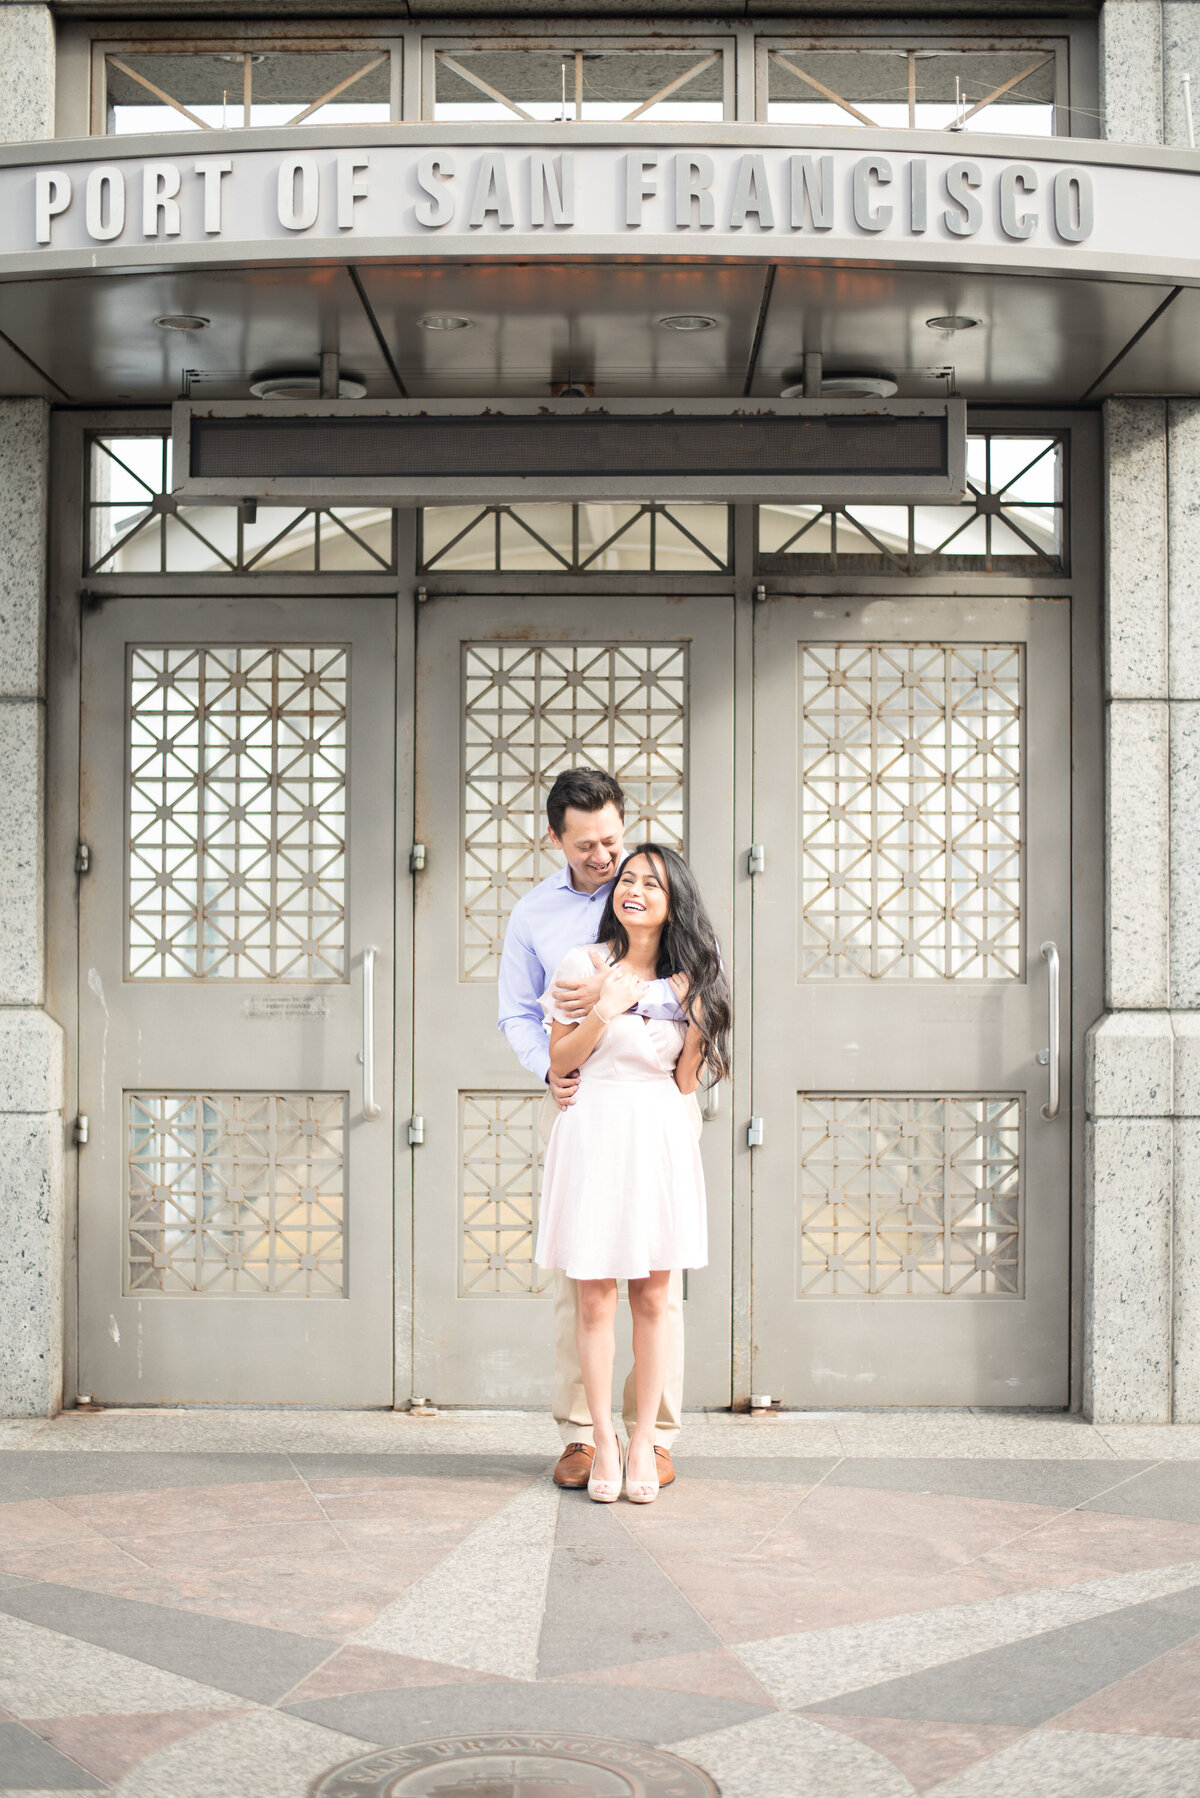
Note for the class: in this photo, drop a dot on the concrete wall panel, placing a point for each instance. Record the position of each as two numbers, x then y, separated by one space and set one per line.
1127 1304
31 1274
1131 71
27 90
24 472
1138 855
22 931
1183 562
1135 514
1181 56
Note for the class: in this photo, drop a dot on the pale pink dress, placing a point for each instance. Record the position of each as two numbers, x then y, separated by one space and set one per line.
623 1188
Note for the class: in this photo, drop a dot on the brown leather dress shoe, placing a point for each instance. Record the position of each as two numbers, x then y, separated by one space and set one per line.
574 1465
666 1469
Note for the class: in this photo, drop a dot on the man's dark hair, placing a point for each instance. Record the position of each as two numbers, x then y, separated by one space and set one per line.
584 790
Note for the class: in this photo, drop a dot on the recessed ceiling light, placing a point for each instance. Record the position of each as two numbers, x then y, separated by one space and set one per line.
952 321
182 321
687 321
847 387
303 387
445 321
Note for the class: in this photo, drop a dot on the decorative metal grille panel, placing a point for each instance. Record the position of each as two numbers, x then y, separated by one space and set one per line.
1013 521
537 78
236 1193
137 526
532 710
237 812
230 85
501 1175
911 811
915 86
909 1197
591 537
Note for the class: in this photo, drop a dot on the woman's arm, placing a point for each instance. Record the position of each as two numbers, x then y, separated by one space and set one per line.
687 1068
571 1044
691 1056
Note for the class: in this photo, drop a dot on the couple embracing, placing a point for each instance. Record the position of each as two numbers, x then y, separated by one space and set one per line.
616 953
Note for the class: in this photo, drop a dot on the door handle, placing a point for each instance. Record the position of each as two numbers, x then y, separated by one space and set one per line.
371 1110
712 1101
1050 1057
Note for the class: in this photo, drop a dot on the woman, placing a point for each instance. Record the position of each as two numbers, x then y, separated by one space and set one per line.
623 1189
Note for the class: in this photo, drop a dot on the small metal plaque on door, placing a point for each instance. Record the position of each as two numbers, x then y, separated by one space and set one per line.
284 1007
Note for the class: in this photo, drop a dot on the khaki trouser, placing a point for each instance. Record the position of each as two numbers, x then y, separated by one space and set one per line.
571 1412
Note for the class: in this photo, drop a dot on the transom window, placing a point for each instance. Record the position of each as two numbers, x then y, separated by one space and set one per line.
926 86
219 86
1012 86
1011 522
601 79
135 525
593 538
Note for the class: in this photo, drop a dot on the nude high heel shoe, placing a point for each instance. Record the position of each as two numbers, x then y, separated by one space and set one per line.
606 1492
641 1492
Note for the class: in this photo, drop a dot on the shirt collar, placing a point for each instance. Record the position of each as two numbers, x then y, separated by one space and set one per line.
564 881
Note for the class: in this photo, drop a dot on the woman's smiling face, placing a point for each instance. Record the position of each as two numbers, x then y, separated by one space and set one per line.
640 899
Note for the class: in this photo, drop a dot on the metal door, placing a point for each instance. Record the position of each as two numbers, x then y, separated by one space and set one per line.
911 1200
235 1223
510 692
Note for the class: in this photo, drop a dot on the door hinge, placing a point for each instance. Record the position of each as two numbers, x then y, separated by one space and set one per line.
416 859
80 1131
83 858
759 593
416 1132
754 1134
756 860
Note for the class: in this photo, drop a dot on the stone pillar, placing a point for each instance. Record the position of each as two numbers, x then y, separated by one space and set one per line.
1181 56
1131 70
1142 1221
1142 1214
1185 1246
27 90
31 1046
1146 47
1183 687
1127 1222
1129 1136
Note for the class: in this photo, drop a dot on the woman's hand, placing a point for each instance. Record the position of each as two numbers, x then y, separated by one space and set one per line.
620 991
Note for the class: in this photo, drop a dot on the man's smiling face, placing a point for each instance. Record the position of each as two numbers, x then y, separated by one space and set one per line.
593 844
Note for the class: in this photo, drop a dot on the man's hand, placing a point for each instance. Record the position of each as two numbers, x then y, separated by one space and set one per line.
576 997
563 1087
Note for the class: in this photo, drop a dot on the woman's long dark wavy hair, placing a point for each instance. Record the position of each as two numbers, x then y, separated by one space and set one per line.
688 946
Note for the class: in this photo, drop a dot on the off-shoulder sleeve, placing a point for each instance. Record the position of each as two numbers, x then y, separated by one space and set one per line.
576 964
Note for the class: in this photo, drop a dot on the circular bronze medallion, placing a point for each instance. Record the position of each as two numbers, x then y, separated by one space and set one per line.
517 1766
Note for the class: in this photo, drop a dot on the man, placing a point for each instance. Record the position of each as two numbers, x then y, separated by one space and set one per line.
586 817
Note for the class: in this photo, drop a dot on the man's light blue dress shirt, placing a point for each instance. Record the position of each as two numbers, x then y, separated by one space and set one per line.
543 925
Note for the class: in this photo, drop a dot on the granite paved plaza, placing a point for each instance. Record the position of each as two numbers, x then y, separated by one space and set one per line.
863 1605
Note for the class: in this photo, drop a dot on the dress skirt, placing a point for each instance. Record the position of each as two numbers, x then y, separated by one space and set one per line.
623 1188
